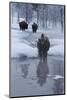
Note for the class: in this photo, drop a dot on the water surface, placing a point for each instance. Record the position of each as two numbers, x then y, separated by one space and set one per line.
35 77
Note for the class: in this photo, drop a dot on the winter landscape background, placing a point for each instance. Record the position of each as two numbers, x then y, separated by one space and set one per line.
25 64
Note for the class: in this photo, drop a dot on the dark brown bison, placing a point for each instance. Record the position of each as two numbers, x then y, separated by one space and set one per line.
23 25
43 46
34 27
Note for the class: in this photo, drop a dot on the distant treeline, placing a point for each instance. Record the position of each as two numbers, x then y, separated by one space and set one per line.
44 15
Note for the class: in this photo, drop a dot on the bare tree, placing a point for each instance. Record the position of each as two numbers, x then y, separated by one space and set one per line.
62 17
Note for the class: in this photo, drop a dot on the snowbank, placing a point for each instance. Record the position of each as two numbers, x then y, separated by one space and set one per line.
55 42
56 50
24 49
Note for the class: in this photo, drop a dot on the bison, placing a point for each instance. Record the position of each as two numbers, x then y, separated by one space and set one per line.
23 25
34 27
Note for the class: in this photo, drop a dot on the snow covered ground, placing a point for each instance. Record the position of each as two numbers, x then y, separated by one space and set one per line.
24 43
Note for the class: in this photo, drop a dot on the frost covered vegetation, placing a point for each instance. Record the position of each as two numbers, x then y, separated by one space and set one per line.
50 21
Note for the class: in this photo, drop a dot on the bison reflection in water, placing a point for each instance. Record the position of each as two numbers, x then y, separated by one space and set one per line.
42 71
24 70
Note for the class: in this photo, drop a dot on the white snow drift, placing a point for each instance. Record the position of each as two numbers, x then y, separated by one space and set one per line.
21 46
18 48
